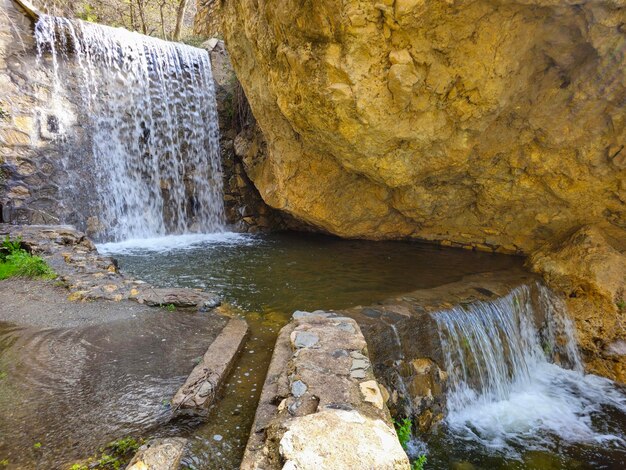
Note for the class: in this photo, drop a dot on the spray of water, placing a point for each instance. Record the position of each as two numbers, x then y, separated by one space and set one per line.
149 108
516 377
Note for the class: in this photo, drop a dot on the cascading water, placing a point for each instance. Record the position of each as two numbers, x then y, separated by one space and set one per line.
149 110
515 376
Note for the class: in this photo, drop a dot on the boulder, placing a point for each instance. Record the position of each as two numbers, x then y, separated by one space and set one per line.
496 125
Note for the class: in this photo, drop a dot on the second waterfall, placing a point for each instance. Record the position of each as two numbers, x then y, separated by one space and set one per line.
147 107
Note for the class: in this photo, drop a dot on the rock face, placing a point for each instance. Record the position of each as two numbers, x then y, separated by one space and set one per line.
244 207
591 276
492 124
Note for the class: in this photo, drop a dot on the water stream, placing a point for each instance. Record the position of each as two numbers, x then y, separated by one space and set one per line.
150 164
271 276
517 395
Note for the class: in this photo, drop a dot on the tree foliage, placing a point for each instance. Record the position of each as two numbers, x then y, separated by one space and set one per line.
167 19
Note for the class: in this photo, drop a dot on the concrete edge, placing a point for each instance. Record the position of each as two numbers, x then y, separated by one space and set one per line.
202 386
29 9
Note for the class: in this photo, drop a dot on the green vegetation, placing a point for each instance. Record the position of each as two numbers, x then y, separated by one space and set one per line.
113 456
621 304
4 463
79 466
37 445
169 307
419 463
3 374
17 262
403 429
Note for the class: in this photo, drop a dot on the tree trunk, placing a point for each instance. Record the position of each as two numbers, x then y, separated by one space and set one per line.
180 17
163 21
142 16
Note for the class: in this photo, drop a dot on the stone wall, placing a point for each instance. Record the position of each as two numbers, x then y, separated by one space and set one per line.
206 22
36 132
240 140
31 133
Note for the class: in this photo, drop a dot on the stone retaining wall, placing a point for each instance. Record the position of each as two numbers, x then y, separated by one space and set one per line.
31 133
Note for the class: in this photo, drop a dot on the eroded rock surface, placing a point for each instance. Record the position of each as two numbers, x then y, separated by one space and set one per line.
491 124
159 454
590 273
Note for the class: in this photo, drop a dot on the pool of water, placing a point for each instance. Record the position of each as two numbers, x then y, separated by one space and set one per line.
269 277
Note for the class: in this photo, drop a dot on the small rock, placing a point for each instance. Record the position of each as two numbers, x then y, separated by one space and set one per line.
205 389
299 314
161 454
371 393
346 327
358 374
210 304
298 388
360 364
304 339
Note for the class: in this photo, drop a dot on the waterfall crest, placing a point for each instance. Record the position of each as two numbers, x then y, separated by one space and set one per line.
149 109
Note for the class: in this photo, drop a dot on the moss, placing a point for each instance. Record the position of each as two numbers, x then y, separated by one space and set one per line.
419 463
113 456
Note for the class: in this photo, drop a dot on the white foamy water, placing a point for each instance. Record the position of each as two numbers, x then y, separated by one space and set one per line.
507 390
175 242
148 109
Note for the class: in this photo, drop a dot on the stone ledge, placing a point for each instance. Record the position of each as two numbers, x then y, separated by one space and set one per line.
321 406
204 382
90 276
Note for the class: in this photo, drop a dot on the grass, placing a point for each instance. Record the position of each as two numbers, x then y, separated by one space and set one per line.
17 262
621 304
114 456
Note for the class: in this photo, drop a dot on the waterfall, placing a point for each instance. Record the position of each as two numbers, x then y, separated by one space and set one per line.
148 108
515 375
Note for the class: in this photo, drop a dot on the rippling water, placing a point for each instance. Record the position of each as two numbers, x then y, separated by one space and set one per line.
73 390
269 277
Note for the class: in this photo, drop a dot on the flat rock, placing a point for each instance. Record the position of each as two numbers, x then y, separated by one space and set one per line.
159 454
338 439
178 297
